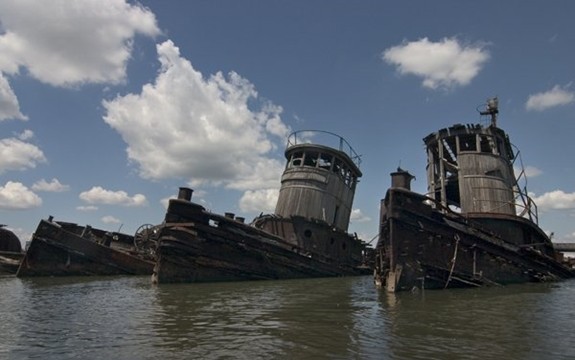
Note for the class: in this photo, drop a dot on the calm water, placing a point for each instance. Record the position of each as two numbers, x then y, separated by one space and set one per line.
344 318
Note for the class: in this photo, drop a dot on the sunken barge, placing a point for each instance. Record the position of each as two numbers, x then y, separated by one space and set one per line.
475 227
305 237
60 248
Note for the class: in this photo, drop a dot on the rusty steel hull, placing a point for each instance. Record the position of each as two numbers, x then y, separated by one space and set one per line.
60 250
423 248
9 262
198 246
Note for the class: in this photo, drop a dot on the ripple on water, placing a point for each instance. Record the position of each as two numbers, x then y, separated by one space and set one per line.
343 318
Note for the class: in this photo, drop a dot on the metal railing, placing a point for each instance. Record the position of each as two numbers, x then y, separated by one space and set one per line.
324 138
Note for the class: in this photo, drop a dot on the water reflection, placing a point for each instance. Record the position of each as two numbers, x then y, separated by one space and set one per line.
303 318
513 322
70 318
343 318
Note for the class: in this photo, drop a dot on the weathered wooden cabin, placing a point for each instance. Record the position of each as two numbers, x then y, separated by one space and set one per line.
470 167
319 182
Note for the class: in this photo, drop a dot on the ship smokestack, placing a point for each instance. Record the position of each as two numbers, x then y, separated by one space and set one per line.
401 179
185 194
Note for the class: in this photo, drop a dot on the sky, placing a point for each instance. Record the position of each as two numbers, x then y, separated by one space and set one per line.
107 107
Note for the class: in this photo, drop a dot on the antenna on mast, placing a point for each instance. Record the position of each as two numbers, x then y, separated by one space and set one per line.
492 110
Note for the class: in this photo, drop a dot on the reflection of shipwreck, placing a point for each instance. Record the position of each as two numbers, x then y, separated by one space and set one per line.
476 227
67 249
306 237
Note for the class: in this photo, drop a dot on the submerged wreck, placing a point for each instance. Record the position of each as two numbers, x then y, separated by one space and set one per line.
475 227
10 251
305 237
66 249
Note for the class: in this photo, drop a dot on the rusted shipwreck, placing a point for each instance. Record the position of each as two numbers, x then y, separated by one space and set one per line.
60 248
10 251
475 227
305 237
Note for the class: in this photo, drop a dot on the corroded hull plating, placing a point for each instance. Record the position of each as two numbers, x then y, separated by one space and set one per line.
60 250
423 248
195 245
9 262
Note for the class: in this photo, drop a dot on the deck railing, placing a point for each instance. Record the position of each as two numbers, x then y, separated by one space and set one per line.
325 138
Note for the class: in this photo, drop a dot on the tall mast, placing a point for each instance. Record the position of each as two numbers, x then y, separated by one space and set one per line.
492 110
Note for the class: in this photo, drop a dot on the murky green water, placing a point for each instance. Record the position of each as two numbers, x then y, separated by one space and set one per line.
344 318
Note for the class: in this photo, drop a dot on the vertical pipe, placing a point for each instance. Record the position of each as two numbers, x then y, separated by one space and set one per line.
442 173
391 247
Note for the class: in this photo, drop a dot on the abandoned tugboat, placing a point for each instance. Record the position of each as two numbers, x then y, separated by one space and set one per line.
66 249
305 237
10 251
475 227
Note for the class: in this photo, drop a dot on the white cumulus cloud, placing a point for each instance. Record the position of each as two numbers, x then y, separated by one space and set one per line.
67 42
99 195
16 154
259 200
9 106
557 199
53 186
358 216
87 208
16 196
532 171
443 64
26 135
200 129
71 41
557 96
108 219
529 171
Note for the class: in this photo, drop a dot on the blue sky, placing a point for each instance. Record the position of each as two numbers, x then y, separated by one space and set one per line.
107 106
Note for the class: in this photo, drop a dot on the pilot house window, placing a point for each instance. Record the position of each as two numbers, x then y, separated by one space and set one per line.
310 159
296 159
467 143
325 161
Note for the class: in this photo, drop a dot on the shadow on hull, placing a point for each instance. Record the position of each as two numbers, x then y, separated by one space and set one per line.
422 248
198 246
